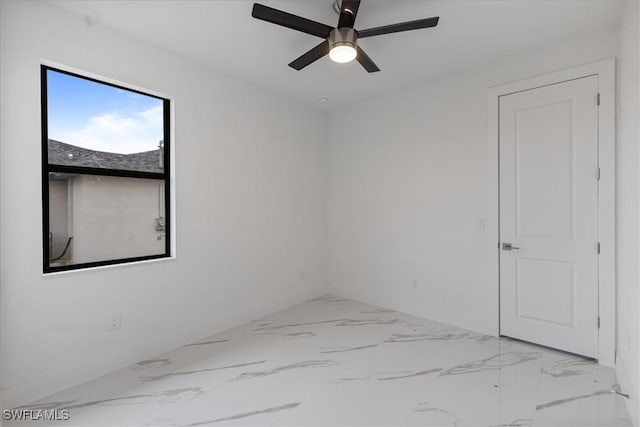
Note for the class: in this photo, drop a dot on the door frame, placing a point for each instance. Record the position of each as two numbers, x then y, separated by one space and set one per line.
605 70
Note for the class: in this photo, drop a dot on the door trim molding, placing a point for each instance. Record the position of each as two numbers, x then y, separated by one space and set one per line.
605 70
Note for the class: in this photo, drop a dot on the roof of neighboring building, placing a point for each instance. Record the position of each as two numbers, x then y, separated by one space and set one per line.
64 154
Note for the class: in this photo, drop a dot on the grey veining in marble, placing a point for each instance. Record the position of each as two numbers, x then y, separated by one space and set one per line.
198 371
568 367
136 399
613 390
347 349
268 327
247 414
329 299
411 374
427 407
297 335
170 396
333 322
336 362
166 396
482 338
369 322
377 311
299 365
348 379
428 336
520 422
263 323
497 361
206 343
151 364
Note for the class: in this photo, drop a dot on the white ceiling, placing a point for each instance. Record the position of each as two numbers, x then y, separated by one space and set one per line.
223 35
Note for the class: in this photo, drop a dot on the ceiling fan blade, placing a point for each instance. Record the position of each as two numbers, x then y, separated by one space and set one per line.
403 26
288 20
348 12
311 56
366 62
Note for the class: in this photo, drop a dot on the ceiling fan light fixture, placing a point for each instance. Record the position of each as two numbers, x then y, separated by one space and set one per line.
343 45
342 53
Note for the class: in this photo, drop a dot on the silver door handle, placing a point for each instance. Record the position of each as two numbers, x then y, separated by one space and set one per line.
509 247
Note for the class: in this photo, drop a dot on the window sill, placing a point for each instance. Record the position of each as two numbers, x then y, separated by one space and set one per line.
109 266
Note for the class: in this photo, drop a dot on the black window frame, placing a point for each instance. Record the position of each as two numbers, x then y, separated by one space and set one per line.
47 168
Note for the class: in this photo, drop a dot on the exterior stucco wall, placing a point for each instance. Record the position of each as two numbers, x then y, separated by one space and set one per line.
115 218
58 215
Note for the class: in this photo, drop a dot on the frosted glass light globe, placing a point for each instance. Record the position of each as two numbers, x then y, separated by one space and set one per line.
342 53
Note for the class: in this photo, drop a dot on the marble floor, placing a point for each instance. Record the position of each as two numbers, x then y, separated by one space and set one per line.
334 361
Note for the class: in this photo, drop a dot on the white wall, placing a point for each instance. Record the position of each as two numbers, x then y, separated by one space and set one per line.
251 184
408 183
627 206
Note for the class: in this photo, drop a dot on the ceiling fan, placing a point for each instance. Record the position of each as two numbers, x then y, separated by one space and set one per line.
341 43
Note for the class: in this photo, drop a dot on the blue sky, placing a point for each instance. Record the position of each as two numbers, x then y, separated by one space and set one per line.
101 117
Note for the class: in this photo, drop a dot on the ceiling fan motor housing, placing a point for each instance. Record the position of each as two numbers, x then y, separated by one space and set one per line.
343 37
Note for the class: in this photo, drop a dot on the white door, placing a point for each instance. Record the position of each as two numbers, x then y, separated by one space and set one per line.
549 216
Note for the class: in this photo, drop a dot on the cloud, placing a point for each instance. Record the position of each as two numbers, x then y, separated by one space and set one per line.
119 133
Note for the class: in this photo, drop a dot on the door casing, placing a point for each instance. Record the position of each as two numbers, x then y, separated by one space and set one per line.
605 70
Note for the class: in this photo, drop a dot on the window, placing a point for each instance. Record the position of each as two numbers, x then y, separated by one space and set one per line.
105 173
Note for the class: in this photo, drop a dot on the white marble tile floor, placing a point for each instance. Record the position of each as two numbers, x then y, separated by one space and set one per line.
337 362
